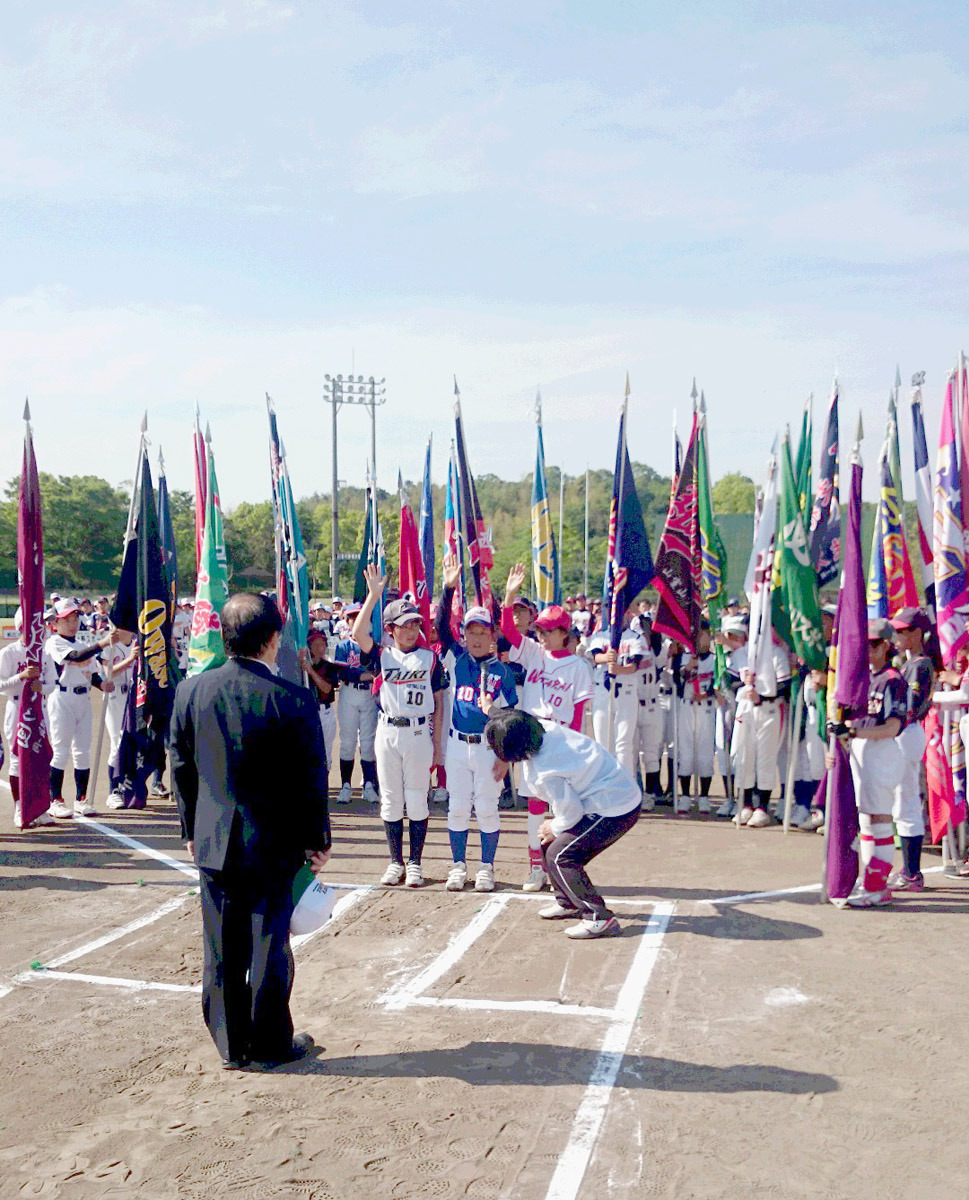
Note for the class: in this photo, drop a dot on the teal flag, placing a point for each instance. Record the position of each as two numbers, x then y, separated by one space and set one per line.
798 581
206 649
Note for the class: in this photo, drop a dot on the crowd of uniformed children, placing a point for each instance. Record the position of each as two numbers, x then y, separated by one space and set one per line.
426 715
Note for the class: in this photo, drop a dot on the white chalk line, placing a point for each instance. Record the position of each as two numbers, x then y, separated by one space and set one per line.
131 985
587 1123
122 931
552 1007
791 891
401 995
134 844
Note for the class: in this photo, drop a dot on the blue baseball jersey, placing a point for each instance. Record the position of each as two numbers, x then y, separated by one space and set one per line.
466 714
349 653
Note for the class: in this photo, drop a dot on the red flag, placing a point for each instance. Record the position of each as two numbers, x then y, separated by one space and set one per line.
944 806
411 564
30 739
201 487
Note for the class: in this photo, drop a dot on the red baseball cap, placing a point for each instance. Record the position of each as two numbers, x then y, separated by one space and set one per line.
553 617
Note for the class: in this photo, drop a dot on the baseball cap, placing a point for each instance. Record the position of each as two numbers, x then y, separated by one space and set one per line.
553 617
315 633
478 614
880 629
105 600
523 602
734 625
911 618
65 608
399 612
352 609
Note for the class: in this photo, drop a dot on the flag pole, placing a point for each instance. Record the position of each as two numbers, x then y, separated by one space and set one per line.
585 572
611 678
792 755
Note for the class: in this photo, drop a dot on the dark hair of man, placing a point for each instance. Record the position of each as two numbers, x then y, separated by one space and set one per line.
248 624
514 735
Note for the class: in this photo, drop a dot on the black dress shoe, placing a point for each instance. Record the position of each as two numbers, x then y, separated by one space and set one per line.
234 1064
302 1044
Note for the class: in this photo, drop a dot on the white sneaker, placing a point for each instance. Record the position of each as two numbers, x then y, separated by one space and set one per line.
799 813
415 876
703 804
60 810
595 929
158 792
393 875
536 880
649 802
859 898
557 912
484 881
744 815
814 820
83 809
344 795
114 801
44 819
759 818
684 804
727 809
457 877
370 793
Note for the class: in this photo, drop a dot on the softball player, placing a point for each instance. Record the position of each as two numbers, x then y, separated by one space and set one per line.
14 675
69 707
120 660
616 673
410 685
758 727
481 685
650 721
357 717
697 726
558 685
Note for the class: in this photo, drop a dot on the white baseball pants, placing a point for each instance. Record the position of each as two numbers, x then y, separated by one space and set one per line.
404 757
357 714
471 784
69 722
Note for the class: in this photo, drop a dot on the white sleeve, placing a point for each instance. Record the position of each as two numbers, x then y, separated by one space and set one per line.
527 652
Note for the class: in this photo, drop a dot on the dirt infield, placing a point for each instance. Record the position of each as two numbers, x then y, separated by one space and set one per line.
721 1047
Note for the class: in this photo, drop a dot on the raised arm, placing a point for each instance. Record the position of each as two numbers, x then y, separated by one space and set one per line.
516 577
452 573
361 626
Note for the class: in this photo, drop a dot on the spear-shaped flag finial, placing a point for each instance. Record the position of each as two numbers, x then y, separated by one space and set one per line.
627 385
693 392
456 392
703 403
144 424
161 462
898 377
860 435
26 409
538 406
208 434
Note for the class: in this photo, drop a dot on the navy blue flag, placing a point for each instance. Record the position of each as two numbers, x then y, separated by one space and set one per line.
166 534
629 565
826 512
425 524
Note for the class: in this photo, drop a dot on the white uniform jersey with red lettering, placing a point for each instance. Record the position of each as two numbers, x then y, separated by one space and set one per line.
69 674
407 681
553 686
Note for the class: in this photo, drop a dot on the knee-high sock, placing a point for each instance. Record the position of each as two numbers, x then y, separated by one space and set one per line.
705 781
763 797
459 844
346 770
15 790
81 778
685 781
417 832
56 783
803 791
395 839
653 787
911 851
489 845
877 852
537 812
369 769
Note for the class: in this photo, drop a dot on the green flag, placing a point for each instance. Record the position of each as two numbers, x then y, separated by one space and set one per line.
802 472
798 582
206 649
713 556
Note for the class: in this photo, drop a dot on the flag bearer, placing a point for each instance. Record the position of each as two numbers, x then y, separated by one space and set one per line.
409 736
121 656
15 675
481 686
697 725
69 707
356 714
617 691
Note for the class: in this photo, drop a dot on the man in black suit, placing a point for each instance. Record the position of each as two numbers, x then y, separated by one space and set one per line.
249 769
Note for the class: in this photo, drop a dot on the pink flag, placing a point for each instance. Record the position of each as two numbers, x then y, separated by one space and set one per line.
944 805
30 739
411 565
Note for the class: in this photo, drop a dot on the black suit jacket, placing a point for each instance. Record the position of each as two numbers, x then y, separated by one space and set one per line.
249 768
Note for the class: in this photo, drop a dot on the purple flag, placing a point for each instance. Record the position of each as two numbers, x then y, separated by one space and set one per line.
851 619
948 545
31 745
826 513
841 818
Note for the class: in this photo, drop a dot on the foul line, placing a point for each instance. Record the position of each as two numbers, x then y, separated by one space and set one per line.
134 844
552 1007
574 1162
120 932
131 985
406 993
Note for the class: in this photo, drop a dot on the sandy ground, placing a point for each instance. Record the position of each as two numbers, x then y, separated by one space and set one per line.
779 1048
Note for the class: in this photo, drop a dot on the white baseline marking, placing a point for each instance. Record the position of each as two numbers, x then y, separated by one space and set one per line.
571 1168
122 931
4 990
134 844
131 985
539 1006
792 891
405 993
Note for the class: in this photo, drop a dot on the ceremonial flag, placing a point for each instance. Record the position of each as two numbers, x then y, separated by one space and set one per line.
30 742
166 535
713 556
944 804
923 498
292 579
205 647
426 521
678 566
876 593
891 584
200 464
799 583
677 455
454 544
371 553
142 607
848 697
411 565
802 468
948 545
826 511
759 585
963 427
545 565
630 564
472 525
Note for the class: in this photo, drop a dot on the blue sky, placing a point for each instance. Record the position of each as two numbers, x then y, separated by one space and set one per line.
211 199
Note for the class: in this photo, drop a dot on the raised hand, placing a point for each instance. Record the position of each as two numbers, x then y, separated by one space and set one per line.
452 570
374 580
516 577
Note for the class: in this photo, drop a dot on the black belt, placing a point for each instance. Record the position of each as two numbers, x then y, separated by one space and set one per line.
362 687
403 722
123 689
78 691
473 739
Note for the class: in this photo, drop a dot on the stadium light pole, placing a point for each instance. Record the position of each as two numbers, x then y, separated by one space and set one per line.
337 391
